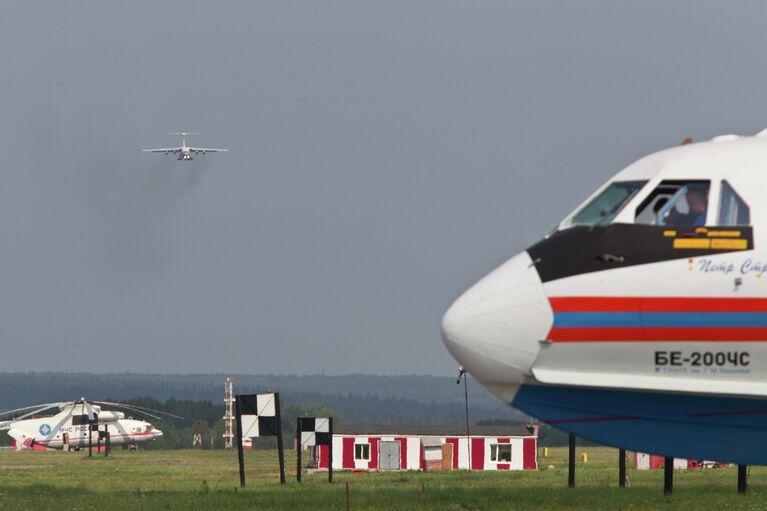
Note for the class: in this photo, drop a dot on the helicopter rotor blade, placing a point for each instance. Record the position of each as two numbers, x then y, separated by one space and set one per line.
140 409
31 410
89 409
55 429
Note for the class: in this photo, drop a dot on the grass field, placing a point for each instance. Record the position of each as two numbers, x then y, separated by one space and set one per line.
155 480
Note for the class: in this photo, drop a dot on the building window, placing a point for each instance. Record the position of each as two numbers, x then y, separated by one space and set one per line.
362 452
732 209
500 453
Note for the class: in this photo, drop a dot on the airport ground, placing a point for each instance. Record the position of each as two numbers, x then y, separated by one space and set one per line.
202 480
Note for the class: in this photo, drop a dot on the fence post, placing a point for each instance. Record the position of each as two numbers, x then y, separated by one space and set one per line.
668 476
621 468
742 482
571 463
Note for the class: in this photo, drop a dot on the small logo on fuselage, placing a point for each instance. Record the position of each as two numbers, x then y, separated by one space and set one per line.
45 429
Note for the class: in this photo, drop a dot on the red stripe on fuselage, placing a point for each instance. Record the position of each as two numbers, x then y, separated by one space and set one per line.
655 304
649 334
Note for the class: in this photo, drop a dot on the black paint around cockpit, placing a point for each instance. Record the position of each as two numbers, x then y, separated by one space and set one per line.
586 249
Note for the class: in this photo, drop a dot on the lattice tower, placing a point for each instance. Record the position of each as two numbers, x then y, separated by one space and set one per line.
229 413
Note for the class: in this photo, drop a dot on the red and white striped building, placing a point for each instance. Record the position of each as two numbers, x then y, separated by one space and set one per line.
643 461
429 448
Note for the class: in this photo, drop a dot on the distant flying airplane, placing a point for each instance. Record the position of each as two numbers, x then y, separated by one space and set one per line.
184 152
640 321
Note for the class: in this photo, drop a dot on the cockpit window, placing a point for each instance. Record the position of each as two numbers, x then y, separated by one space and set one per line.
732 209
675 203
603 208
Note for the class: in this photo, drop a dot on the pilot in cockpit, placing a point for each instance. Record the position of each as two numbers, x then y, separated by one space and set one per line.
697 202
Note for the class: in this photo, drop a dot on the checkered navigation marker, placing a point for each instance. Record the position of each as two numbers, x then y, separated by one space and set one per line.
258 415
314 431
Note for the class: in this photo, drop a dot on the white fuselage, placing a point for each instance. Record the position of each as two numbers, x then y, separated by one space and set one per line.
53 433
186 152
641 321
506 329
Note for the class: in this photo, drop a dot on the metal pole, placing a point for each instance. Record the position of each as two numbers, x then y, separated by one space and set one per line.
622 468
742 482
466 398
279 438
106 443
668 476
462 372
298 449
330 451
571 463
90 441
240 455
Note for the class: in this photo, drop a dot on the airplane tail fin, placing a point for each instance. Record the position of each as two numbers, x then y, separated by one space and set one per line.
183 134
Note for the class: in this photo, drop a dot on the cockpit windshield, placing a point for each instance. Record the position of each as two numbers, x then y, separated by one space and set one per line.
603 208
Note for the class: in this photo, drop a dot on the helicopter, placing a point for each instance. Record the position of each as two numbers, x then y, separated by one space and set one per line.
72 423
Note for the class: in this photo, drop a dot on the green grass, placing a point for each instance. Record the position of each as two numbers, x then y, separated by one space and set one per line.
156 480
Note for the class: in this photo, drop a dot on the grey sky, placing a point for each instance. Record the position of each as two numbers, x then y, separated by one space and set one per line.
383 156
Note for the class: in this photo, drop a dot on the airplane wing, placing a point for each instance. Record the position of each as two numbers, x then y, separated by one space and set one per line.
162 150
207 150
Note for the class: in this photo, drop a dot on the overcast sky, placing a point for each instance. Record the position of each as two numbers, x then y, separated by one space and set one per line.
383 156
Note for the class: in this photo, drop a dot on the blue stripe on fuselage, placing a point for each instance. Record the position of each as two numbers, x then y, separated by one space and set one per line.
659 319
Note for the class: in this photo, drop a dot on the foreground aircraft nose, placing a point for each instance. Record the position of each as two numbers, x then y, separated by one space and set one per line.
494 329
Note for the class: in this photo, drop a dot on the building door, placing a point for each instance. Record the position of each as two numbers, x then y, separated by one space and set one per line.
388 455
447 456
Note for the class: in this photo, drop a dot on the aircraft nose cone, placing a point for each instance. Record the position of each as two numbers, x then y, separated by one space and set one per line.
157 433
494 329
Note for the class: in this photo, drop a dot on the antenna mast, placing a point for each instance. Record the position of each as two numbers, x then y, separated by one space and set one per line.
228 412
